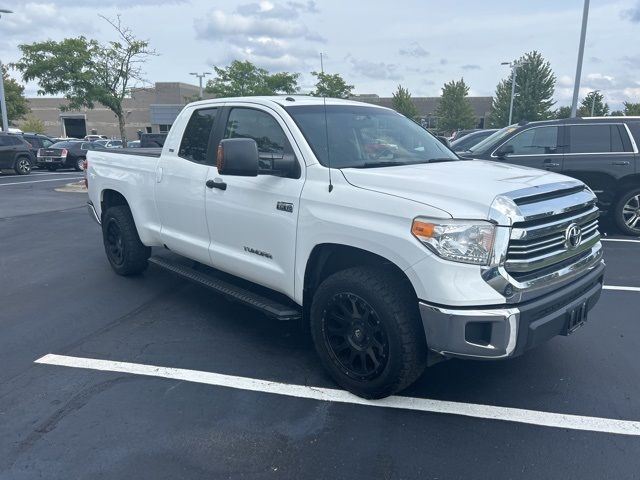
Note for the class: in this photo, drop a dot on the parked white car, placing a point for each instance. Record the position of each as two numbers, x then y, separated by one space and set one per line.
396 258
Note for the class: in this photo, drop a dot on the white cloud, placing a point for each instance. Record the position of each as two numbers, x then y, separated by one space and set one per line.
375 70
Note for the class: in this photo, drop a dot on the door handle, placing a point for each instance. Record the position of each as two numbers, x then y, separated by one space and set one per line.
621 163
217 183
549 163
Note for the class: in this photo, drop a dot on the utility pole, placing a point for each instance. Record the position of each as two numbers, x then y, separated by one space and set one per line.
583 35
514 72
200 77
3 102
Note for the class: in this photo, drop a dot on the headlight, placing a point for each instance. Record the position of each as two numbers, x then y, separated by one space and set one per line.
465 241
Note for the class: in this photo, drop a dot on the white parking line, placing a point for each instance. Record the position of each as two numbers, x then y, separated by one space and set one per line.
619 240
621 288
532 417
40 181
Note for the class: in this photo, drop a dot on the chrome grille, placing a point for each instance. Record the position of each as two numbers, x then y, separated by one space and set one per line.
539 244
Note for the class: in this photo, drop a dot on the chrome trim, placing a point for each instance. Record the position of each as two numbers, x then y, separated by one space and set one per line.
523 265
93 213
632 138
445 330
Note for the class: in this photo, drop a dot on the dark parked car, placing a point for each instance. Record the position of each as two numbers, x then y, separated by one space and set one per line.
68 154
465 142
15 154
37 141
602 152
458 134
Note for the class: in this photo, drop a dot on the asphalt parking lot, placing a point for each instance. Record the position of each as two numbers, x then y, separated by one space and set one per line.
208 389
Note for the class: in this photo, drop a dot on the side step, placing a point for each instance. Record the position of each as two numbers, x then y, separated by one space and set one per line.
212 279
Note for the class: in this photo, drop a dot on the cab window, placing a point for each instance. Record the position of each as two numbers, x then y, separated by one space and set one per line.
534 141
195 141
265 130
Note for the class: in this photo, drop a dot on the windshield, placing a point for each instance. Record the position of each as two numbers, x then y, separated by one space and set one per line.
491 139
365 137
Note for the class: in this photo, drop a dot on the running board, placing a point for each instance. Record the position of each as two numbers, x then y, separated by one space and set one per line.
211 279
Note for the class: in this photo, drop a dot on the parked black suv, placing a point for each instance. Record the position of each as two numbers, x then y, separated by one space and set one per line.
37 141
15 154
602 152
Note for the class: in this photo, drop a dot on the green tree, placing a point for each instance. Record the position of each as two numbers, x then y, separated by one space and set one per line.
245 79
87 72
563 112
535 83
631 108
617 113
454 111
33 124
402 103
596 100
17 105
331 85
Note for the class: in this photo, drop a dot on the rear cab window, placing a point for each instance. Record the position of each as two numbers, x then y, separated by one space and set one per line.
197 135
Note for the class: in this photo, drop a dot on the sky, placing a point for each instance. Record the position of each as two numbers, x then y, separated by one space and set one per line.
375 45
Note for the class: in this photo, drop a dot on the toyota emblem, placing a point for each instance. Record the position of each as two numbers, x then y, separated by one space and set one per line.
572 236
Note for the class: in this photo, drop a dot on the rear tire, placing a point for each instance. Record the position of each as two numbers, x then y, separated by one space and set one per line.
79 165
366 328
22 166
626 212
125 252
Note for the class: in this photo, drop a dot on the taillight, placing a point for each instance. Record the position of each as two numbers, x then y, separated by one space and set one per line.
64 152
39 152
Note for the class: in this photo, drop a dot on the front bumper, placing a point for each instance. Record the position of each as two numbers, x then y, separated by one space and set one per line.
509 330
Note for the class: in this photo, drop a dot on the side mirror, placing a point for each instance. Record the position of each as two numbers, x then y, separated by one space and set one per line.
504 151
238 156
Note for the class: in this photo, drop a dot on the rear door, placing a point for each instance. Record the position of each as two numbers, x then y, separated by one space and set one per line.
253 221
599 154
536 147
181 176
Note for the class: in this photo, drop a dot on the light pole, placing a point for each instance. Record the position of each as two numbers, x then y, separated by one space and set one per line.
200 77
583 35
514 71
593 101
3 102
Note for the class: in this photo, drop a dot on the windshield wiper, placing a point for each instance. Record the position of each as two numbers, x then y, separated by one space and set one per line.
380 164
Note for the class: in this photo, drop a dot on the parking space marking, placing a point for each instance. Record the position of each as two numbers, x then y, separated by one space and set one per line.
621 288
40 181
488 412
619 240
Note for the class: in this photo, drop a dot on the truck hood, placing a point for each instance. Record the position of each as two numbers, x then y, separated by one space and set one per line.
464 189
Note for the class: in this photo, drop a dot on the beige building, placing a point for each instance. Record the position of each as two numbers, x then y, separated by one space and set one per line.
150 110
154 109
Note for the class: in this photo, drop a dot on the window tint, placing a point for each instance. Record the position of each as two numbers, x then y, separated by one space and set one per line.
258 125
86 146
196 136
46 143
534 141
3 141
595 139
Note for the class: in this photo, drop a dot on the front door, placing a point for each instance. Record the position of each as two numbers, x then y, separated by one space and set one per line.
7 152
599 154
536 147
180 187
253 222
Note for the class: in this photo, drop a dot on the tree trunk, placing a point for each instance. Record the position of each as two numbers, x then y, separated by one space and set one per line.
123 135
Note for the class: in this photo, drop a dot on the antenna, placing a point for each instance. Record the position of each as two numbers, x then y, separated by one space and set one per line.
326 127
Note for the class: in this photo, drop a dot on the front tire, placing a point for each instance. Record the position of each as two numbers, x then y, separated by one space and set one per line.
626 212
366 329
125 252
22 166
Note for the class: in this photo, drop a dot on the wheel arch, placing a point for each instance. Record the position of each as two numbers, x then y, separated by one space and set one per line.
111 198
328 258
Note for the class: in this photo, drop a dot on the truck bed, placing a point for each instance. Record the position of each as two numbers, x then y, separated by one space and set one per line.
144 152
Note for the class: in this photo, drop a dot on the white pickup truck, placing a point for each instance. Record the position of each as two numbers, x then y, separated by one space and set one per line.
359 223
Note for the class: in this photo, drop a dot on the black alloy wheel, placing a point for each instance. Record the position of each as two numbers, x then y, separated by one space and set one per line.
355 337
